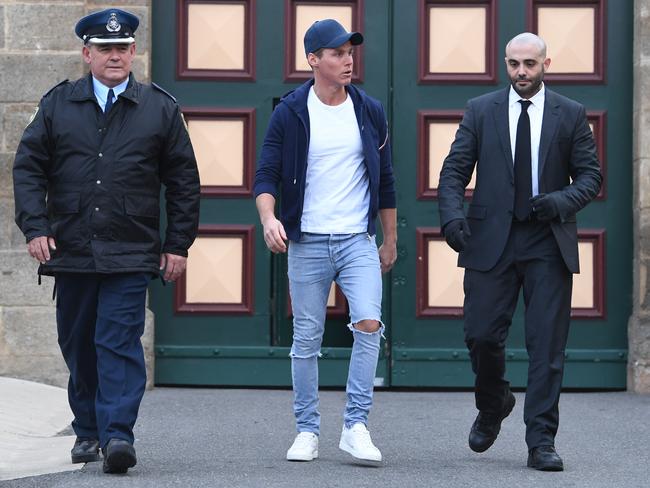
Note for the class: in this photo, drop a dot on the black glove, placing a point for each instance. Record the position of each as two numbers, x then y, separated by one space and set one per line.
456 234
545 206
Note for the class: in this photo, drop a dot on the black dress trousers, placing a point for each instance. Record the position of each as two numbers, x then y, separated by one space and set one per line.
532 261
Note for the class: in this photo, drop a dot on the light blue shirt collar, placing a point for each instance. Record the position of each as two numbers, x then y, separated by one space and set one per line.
101 91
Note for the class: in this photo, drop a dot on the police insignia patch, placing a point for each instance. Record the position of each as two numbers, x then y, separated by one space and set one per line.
113 25
31 119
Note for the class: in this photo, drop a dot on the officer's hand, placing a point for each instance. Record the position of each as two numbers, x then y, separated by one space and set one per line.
387 256
173 265
456 234
545 206
274 235
39 248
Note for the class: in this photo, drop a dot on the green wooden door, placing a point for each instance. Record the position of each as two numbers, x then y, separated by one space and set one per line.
243 343
428 102
424 90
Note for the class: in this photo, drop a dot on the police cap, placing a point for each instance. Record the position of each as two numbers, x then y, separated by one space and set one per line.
110 26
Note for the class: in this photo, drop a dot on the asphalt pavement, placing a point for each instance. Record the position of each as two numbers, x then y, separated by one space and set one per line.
238 438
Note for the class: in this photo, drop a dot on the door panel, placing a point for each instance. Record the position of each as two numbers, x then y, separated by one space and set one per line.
428 346
424 81
224 344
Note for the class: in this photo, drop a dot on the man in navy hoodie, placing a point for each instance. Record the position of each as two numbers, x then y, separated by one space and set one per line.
327 147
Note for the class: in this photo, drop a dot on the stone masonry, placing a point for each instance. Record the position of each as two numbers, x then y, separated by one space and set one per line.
38 48
639 324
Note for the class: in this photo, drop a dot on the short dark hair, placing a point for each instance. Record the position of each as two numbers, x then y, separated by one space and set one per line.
318 53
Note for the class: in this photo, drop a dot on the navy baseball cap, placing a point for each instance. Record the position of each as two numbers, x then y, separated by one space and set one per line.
110 26
328 33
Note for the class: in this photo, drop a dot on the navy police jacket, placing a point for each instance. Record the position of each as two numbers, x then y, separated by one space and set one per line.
93 181
283 160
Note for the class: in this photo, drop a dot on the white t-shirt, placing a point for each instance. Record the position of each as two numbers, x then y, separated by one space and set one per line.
337 193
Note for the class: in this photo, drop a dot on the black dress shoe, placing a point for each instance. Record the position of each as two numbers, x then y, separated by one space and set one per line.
119 456
544 458
486 427
85 450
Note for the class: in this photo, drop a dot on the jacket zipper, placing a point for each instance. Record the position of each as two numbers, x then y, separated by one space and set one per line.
295 159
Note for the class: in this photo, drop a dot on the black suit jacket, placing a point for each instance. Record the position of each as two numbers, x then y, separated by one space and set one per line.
567 164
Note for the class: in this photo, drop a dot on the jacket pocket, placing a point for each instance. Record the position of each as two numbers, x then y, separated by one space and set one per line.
65 221
141 206
477 212
66 203
141 220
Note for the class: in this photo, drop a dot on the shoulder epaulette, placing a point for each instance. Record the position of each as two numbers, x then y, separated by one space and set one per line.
55 86
159 88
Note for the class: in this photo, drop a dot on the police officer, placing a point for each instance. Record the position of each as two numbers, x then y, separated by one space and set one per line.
87 179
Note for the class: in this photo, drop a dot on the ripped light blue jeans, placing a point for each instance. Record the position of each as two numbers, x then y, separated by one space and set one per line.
352 261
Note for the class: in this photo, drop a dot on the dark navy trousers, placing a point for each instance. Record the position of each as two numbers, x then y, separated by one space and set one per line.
100 319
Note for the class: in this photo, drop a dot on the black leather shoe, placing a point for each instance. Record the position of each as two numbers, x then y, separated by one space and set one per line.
119 456
85 450
544 458
486 427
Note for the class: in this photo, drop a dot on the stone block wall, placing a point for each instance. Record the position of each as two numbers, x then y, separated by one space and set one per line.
38 48
639 325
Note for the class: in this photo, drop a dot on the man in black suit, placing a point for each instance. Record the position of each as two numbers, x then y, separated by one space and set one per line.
536 166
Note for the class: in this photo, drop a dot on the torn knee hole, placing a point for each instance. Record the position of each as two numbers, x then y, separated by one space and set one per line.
369 326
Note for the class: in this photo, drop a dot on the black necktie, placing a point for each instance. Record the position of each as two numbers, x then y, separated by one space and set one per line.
109 101
523 183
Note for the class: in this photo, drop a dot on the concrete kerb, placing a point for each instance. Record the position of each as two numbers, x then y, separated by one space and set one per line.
31 416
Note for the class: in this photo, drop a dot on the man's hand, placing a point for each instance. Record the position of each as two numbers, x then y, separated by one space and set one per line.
274 235
173 265
456 234
39 248
387 256
545 206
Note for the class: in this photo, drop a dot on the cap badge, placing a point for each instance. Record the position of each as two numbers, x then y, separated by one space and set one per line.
113 25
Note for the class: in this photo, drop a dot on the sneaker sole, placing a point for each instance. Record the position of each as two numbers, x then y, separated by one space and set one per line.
347 448
303 458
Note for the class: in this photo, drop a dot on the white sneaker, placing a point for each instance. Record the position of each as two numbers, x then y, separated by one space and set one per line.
356 441
304 447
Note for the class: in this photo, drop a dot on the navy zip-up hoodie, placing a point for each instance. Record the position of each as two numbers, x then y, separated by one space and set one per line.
284 155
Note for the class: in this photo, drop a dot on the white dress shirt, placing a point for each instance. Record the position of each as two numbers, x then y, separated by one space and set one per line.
535 114
101 91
